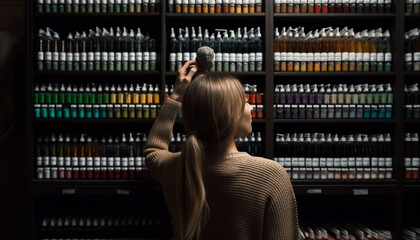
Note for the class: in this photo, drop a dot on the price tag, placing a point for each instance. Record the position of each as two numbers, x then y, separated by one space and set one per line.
360 191
123 192
69 191
314 191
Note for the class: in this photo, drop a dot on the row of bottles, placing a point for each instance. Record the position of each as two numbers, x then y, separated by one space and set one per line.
99 50
92 93
412 232
412 101
102 6
96 111
83 157
412 50
215 6
99 224
332 50
412 156
412 6
251 144
333 6
347 231
240 52
337 111
333 94
322 156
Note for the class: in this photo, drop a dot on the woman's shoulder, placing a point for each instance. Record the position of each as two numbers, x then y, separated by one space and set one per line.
267 168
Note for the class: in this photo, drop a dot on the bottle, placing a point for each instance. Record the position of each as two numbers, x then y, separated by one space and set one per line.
55 53
132 61
345 45
388 52
366 50
62 56
239 52
408 52
40 56
97 45
324 49
259 51
338 51
331 48
308 45
289 49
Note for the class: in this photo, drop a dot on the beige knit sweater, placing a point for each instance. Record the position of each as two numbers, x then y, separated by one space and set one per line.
250 198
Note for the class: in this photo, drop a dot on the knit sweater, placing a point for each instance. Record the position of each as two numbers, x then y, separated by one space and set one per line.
249 198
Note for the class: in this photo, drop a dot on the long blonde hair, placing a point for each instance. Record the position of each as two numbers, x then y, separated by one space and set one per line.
211 109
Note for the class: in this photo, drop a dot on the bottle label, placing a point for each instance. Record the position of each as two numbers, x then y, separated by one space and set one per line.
359 162
296 57
111 56
97 2
83 57
218 57
311 2
330 2
62 56
352 162
310 57
388 162
225 57
178 2
380 57
337 57
289 57
118 56
245 2
89 161
416 56
97 56
132 57
374 162
381 162
322 162
408 57
172 57
219 2
60 161
90 56
104 56
55 56
251 2
76 57
373 57
388 57
366 57
346 1
146 56
245 57
259 57
352 57
359 57
70 57
252 57
330 162
239 57
97 162
277 57
187 56
407 162
185 2
317 57
337 162
205 2
381 1
331 56
41 56
124 56
345 56
303 57
290 1
152 56
67 161
324 57
179 57
198 2
415 162
82 161
75 161
366 162
283 56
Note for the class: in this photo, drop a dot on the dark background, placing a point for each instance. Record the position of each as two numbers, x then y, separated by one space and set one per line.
12 125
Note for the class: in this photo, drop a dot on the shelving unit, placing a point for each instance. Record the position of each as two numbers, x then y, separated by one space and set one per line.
394 191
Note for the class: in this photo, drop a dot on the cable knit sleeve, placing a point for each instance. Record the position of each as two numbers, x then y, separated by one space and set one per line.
156 152
281 216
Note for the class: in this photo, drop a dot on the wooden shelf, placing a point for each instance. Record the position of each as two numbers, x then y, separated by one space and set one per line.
95 187
76 15
344 187
335 121
412 121
332 74
214 15
340 16
231 73
95 73
91 121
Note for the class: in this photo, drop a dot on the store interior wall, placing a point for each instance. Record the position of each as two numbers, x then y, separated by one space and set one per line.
13 202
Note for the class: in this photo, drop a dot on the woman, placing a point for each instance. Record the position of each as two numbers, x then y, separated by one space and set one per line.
212 190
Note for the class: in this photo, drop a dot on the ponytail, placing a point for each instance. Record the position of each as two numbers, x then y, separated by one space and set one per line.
191 195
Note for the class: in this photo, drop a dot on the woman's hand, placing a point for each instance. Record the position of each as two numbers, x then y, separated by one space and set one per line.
183 79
